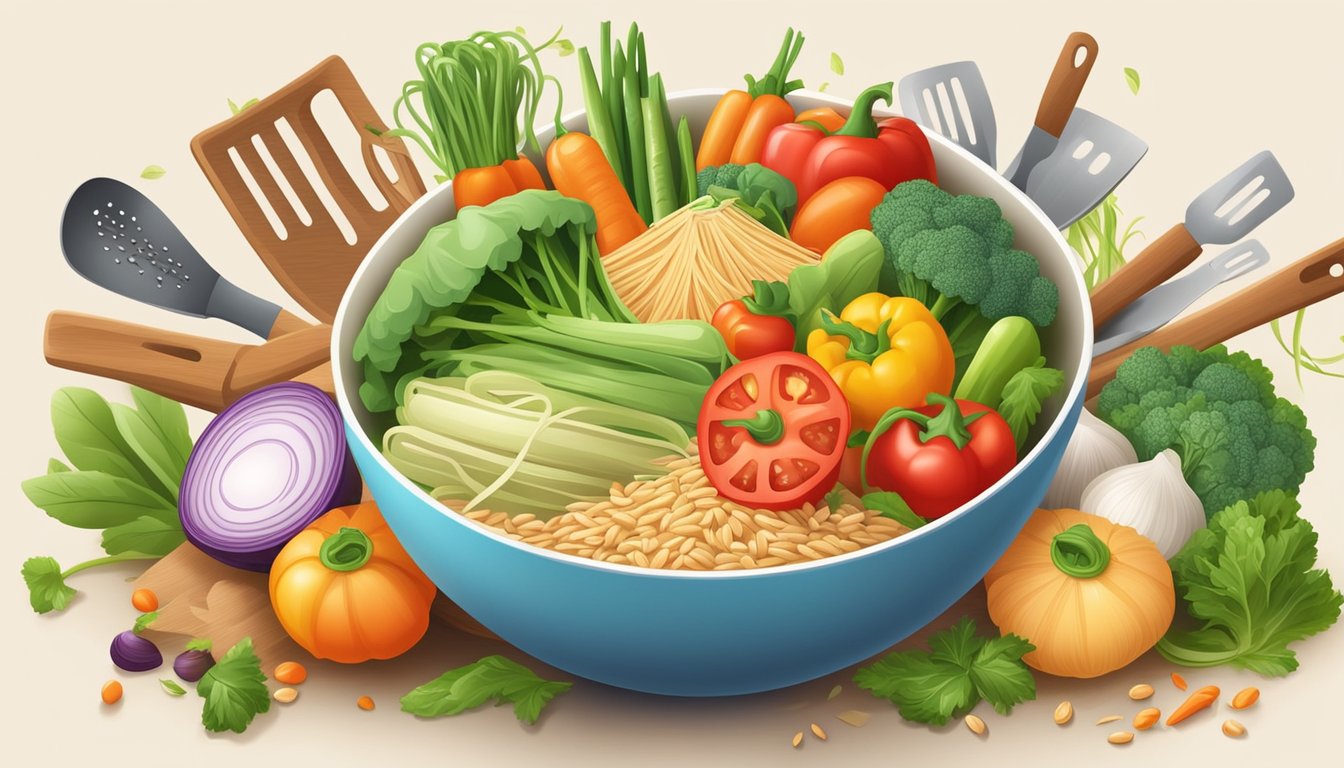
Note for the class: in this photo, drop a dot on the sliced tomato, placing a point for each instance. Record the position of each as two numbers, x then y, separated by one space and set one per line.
772 431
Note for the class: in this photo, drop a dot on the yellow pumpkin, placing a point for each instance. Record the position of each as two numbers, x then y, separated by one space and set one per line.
1091 595
345 590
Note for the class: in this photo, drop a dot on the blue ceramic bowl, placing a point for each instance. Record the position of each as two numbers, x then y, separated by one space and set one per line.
692 633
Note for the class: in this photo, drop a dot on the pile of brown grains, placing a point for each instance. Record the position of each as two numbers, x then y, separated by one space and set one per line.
679 522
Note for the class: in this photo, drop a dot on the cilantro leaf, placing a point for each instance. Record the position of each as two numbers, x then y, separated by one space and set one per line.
171 688
143 621
1250 578
959 670
493 677
47 590
234 690
1022 396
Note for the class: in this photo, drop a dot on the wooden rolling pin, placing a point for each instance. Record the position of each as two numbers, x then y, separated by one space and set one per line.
1304 282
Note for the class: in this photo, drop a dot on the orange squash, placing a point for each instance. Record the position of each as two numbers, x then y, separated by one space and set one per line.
1091 595
345 589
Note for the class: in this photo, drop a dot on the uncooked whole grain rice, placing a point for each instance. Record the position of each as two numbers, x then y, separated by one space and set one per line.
679 522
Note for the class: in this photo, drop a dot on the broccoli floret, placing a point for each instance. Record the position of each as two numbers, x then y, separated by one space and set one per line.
955 254
717 176
1218 410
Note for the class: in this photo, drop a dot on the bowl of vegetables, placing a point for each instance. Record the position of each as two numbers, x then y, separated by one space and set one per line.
623 620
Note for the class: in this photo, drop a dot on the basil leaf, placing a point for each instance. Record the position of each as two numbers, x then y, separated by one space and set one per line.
1132 80
95 499
56 465
837 66
87 433
893 506
146 535
171 688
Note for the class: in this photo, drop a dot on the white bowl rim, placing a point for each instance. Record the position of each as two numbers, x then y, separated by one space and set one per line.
1074 395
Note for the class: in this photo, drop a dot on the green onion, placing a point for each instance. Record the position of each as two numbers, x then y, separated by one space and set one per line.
635 71
662 179
686 159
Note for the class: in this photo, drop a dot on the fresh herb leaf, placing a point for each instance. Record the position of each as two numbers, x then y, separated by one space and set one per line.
152 172
47 590
1023 395
520 31
199 644
171 688
837 66
95 499
822 88
1132 80
143 621
890 504
87 433
56 465
146 535
1250 578
960 669
493 677
165 436
566 47
834 499
157 455
850 269
236 108
233 108
234 690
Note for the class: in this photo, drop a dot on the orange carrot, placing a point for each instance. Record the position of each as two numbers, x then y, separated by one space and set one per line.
767 112
840 207
580 170
1200 699
826 117
725 123
482 186
1178 681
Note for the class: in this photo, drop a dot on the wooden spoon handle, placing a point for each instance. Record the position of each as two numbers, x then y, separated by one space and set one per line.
280 359
287 322
1300 284
1066 83
1160 261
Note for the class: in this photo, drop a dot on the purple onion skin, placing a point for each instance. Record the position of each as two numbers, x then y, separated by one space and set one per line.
192 665
134 653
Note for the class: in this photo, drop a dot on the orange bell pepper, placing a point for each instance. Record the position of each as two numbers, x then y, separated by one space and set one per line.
840 207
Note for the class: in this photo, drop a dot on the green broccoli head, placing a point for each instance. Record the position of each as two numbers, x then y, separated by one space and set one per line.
1219 411
717 176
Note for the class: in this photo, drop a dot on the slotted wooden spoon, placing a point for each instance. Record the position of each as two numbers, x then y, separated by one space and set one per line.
313 262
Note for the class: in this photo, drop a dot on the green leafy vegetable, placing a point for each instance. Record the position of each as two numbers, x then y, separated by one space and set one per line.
822 88
171 688
1132 80
235 108
1250 581
960 669
1219 412
152 172
1023 395
890 504
128 464
234 690
143 621
837 66
848 270
493 677
767 195
1099 241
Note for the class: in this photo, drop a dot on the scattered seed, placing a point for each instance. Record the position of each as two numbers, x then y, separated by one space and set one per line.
1232 729
1141 692
834 692
1178 681
1063 713
1120 737
854 717
1147 718
365 703
816 731
144 600
1245 697
286 695
290 673
1109 719
976 725
797 739
112 692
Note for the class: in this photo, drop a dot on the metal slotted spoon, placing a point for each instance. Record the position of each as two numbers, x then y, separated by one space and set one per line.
973 127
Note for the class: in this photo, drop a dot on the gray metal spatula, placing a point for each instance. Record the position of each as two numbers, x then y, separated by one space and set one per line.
1161 305
1057 102
1224 213
952 100
1090 160
117 238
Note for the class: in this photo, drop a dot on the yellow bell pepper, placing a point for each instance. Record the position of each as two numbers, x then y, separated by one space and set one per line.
884 352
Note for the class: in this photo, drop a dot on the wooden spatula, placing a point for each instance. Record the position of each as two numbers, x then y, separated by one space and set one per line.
313 262
1303 283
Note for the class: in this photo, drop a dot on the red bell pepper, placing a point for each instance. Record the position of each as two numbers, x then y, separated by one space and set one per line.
888 152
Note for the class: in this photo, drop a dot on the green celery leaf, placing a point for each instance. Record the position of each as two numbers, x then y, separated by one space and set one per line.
146 534
1023 395
493 677
95 499
234 690
1132 80
47 590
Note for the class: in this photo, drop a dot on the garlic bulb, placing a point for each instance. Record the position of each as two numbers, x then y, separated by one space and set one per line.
1152 497
1094 448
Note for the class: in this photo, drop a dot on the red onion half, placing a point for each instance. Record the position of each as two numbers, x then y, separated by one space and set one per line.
265 468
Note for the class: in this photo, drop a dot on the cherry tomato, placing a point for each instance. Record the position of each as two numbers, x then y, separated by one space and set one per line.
748 334
772 430
940 456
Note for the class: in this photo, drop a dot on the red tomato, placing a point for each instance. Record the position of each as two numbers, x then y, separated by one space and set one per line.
938 459
748 334
772 430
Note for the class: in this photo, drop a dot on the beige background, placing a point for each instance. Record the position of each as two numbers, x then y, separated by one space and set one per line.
106 89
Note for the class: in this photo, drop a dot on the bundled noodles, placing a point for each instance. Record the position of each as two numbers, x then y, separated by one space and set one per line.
502 438
702 255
